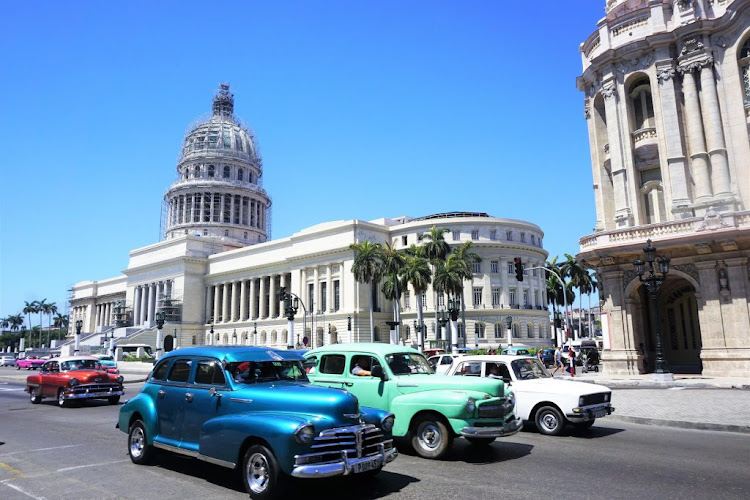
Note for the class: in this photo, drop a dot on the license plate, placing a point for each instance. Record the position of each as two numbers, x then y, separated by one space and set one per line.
368 465
98 394
600 412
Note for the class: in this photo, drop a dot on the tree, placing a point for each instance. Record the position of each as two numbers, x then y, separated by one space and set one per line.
578 277
16 321
464 254
393 261
40 305
436 249
4 323
416 272
49 310
28 310
367 268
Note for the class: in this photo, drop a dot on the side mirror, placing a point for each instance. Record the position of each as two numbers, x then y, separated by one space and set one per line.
377 371
212 392
507 380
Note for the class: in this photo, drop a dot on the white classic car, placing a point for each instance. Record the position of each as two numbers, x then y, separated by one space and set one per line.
548 402
441 363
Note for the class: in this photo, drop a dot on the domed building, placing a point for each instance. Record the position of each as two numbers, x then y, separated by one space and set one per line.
667 102
218 192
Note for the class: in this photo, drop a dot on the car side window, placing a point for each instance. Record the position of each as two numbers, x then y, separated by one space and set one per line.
470 369
160 371
446 360
180 371
332 364
209 372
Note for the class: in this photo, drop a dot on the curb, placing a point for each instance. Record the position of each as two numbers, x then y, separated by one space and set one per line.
681 424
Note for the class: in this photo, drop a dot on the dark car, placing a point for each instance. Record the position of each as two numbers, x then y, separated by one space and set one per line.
591 354
547 356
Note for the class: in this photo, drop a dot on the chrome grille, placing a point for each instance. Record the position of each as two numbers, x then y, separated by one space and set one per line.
496 409
596 399
83 389
355 441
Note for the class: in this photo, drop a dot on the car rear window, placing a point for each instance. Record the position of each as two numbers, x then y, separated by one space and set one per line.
209 373
160 371
332 364
180 371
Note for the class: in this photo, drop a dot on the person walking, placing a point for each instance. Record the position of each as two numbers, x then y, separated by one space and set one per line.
558 362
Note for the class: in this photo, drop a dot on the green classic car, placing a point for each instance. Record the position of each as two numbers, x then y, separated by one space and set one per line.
431 410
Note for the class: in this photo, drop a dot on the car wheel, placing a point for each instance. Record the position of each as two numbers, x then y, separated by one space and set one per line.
549 421
261 473
430 438
582 426
61 401
138 448
35 396
480 441
113 400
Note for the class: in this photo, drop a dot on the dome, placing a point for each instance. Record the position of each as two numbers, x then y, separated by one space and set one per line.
221 134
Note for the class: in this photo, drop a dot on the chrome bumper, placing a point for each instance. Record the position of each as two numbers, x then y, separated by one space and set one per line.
94 395
508 429
590 413
344 466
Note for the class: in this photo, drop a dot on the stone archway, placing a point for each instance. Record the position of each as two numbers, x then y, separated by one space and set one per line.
677 306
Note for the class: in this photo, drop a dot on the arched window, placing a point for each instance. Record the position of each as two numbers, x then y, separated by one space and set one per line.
227 171
273 337
643 106
240 174
211 170
197 171
516 330
498 330
479 330
529 331
744 62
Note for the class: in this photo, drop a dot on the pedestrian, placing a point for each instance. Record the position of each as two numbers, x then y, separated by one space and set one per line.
572 357
558 362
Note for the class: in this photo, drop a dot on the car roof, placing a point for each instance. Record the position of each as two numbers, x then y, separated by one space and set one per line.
73 358
237 353
371 347
492 357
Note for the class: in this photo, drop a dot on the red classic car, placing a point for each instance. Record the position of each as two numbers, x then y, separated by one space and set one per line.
74 378
30 363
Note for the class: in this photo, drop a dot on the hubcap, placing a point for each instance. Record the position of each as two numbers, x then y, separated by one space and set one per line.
257 473
429 435
61 398
549 421
137 442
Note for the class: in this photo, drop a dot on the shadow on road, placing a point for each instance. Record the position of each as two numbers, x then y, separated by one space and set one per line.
501 450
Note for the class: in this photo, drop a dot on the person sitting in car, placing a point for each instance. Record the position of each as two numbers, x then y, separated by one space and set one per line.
362 366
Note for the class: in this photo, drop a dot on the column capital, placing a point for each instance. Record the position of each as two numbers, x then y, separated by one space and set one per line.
695 65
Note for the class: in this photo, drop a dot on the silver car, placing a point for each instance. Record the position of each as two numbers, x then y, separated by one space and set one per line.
7 360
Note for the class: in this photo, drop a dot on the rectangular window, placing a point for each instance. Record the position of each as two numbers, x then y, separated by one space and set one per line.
533 239
476 267
474 234
512 297
456 235
495 297
336 295
511 268
523 237
209 373
479 330
180 371
332 364
525 297
461 332
311 297
441 300
509 235
493 235
498 330
494 266
404 240
407 299
477 296
323 295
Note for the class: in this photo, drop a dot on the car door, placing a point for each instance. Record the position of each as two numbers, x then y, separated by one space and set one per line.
204 399
171 401
370 391
50 379
330 371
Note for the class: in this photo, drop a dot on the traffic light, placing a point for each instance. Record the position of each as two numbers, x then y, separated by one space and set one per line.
349 323
519 269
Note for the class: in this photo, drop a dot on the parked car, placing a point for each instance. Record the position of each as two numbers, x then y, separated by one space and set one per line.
29 363
431 410
7 360
441 362
547 402
253 408
108 362
516 351
432 352
74 378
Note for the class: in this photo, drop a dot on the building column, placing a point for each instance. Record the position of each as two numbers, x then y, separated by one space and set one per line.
714 134
262 296
217 304
209 302
136 304
329 289
144 304
253 299
243 300
316 291
273 301
235 300
224 302
696 139
151 303
623 212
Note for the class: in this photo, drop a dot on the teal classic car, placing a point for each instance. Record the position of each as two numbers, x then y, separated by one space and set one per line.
431 410
254 409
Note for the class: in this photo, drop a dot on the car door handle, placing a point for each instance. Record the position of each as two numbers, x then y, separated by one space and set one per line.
348 384
161 393
189 397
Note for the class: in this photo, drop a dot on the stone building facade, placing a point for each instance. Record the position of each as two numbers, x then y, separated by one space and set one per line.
216 273
667 102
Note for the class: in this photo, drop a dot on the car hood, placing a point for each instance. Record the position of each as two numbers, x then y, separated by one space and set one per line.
90 376
338 406
417 383
557 386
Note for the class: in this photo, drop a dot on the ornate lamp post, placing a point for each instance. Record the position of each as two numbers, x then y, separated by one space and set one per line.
159 326
558 324
419 328
349 327
454 307
79 325
291 306
509 327
653 282
442 318
211 337
255 333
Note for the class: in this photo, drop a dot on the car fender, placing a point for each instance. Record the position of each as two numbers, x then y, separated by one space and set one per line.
449 403
143 405
222 438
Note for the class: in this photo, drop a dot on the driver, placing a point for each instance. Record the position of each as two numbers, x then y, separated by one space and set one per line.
362 366
494 371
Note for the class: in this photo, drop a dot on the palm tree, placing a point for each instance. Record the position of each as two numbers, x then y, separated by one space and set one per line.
393 261
28 310
588 285
4 323
463 252
367 268
558 293
16 321
40 305
577 275
436 249
416 272
49 310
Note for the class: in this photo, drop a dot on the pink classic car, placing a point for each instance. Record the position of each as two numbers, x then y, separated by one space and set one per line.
30 363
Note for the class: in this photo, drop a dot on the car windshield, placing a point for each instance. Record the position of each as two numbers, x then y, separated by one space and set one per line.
529 368
250 372
408 363
80 364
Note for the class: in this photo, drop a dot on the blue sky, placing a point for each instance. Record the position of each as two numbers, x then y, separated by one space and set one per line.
362 110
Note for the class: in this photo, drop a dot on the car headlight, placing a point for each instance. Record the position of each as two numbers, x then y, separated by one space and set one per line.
581 401
120 379
606 397
511 398
387 422
471 405
73 382
304 433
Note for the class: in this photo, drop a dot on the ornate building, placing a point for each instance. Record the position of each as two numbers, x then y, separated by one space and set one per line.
667 101
216 273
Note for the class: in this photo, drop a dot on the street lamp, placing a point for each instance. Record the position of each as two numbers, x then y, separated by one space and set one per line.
211 337
255 333
454 307
349 327
509 327
159 326
291 306
652 283
419 328
79 325
442 318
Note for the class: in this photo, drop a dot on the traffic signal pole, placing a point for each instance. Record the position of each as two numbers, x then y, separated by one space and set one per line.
565 300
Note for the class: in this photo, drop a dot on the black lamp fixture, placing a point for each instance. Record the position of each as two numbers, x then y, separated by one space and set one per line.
160 320
79 325
648 274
